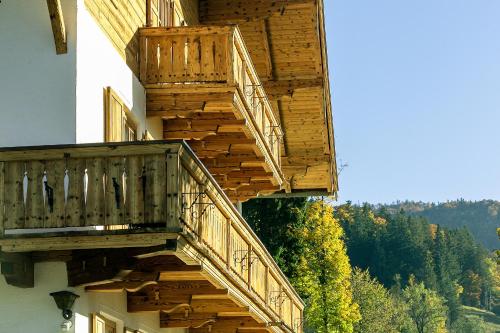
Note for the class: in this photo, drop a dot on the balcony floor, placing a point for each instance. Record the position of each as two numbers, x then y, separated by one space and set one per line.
214 121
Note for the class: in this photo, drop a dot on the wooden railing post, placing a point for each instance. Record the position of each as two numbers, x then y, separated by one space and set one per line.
149 21
230 58
249 256
173 190
228 245
143 57
2 199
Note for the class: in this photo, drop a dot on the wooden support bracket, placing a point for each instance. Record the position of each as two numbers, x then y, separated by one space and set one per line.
58 27
18 269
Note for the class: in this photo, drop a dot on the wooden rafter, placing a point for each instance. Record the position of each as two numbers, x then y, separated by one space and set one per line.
217 11
278 89
58 26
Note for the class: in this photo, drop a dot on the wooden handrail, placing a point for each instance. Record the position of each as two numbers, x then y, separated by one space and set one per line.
153 186
210 54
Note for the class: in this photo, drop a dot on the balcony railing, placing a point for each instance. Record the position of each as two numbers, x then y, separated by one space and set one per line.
209 55
117 189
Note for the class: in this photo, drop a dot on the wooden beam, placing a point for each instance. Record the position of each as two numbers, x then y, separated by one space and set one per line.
180 320
18 269
176 303
218 12
278 89
204 320
60 243
58 26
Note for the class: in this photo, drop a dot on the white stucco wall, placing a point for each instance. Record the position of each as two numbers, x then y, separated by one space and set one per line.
33 310
37 86
99 65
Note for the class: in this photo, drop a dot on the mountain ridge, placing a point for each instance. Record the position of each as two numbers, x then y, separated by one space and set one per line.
482 218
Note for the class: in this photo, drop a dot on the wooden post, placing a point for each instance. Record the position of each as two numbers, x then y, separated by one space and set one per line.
173 190
228 245
2 178
266 295
149 22
230 58
58 27
18 269
143 57
250 250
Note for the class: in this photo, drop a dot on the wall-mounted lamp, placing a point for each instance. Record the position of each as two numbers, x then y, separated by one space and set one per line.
64 301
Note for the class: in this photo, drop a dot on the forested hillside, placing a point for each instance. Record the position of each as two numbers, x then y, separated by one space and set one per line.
482 218
406 274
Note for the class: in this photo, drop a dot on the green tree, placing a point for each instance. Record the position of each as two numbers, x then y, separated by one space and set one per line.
323 275
425 307
380 311
274 220
472 324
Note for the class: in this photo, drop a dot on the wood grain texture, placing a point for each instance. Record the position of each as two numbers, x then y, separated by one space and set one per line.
58 26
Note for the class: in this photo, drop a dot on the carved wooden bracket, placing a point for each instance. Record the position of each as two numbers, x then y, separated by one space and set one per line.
18 269
58 26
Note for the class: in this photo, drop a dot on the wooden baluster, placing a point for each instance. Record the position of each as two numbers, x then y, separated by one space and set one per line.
152 62
165 67
220 60
114 191
134 197
2 199
55 206
95 207
14 202
228 244
75 205
174 197
178 57
207 57
155 198
35 207
194 59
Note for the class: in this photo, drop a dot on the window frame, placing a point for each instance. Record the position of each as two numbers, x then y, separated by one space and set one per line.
98 317
128 122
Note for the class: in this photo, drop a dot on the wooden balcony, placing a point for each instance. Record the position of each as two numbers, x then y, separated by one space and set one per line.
202 82
147 218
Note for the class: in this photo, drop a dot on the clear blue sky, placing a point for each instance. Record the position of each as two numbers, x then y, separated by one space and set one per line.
416 98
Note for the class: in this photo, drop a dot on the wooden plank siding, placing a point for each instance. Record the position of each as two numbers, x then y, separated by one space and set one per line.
121 19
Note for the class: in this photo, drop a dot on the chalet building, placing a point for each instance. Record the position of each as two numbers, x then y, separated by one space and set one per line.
130 132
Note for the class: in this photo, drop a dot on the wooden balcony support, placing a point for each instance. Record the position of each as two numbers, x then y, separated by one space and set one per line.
58 26
217 11
146 218
201 80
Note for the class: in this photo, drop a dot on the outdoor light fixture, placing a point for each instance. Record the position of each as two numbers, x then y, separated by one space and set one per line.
64 301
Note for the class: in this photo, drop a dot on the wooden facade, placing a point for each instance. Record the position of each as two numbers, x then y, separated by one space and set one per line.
202 82
286 43
155 212
286 40
242 91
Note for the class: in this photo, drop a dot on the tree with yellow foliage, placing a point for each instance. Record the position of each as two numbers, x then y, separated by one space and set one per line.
323 272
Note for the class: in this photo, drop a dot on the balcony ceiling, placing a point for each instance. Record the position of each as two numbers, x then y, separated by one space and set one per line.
286 41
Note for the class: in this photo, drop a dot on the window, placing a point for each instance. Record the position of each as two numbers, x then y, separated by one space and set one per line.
103 325
161 13
120 124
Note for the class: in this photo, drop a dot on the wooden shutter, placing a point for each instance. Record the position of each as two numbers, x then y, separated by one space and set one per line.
120 124
102 325
160 13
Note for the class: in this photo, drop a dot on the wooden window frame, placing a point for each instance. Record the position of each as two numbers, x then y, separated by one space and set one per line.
127 119
96 317
164 13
